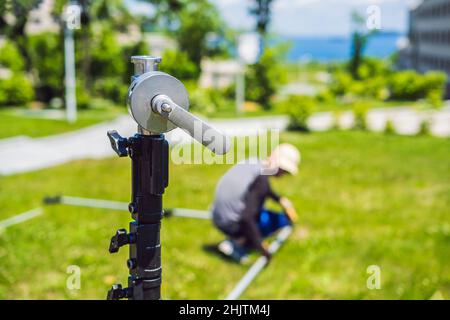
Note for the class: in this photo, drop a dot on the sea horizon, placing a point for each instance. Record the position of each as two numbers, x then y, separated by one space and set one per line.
338 48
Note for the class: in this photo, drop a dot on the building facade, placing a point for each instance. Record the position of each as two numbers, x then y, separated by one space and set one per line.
219 74
429 39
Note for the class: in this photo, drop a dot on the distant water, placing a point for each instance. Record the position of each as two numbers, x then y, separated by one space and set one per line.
339 48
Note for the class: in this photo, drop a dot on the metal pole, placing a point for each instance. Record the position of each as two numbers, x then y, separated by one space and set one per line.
21 218
240 89
70 83
123 206
94 203
259 264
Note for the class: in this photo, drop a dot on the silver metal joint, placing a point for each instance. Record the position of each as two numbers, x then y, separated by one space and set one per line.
162 104
143 64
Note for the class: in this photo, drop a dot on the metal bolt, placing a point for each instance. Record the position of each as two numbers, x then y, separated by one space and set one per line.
165 107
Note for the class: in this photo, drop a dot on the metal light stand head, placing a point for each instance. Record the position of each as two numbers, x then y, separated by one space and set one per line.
158 103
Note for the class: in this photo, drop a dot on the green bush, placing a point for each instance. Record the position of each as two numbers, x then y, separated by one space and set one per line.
410 85
376 88
83 96
424 128
106 56
209 101
344 84
389 128
299 109
178 64
10 57
435 88
372 68
342 81
16 90
377 80
434 98
360 109
326 96
111 88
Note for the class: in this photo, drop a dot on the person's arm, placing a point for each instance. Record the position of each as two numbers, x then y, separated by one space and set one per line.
285 203
269 191
288 207
250 215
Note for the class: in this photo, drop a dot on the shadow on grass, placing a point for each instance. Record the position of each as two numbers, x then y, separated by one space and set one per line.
213 249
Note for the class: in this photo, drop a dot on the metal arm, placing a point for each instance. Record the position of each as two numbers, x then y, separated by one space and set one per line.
198 129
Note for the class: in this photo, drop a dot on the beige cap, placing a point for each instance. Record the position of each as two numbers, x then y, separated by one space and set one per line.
286 157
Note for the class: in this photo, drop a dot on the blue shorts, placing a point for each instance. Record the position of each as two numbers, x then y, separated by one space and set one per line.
270 222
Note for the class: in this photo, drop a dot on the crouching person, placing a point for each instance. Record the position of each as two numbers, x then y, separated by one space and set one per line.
238 209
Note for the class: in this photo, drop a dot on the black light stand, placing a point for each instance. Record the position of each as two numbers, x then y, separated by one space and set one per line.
159 103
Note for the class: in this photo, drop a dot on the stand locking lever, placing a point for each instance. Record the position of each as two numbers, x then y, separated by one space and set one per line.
120 239
118 143
116 292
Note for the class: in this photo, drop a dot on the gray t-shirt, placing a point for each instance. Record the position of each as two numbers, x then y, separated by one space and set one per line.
230 195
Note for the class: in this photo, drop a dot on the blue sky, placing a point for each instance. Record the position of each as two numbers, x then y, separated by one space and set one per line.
317 17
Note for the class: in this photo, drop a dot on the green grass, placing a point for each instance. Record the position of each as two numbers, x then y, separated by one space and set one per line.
363 199
15 122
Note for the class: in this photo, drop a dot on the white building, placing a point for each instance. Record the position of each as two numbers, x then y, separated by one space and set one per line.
41 20
429 38
219 73
158 43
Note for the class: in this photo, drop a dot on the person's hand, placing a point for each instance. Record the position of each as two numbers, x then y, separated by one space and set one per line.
288 207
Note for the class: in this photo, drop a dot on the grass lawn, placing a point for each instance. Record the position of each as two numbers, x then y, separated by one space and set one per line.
14 122
363 198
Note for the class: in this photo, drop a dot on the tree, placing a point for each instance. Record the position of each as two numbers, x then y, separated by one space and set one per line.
266 76
108 17
261 11
20 10
166 14
196 20
359 42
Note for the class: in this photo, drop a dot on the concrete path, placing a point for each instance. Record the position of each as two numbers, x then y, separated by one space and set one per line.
24 154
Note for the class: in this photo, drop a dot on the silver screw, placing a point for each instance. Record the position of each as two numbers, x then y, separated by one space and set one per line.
166 107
